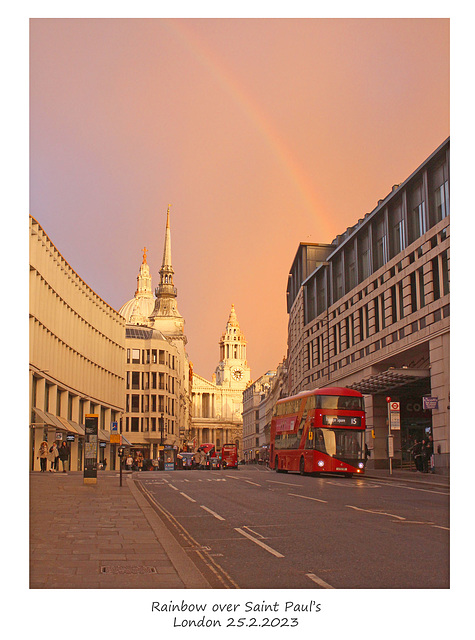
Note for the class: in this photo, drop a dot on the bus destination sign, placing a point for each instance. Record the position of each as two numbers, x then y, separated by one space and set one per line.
341 421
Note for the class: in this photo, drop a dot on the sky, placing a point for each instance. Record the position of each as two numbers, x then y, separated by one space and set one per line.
261 134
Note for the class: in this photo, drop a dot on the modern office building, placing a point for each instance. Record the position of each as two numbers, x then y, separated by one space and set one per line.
76 359
371 311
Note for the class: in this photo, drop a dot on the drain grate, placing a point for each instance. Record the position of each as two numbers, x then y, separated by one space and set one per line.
127 569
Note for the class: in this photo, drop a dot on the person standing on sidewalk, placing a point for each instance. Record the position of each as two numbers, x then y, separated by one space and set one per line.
64 452
43 455
53 457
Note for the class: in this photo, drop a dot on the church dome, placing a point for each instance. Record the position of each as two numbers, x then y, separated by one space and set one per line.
137 307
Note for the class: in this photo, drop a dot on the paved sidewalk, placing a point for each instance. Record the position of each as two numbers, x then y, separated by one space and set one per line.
433 479
101 536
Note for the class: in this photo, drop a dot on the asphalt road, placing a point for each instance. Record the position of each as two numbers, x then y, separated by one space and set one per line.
255 529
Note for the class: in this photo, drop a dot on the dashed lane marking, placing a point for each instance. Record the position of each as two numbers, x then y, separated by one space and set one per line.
260 543
213 513
308 498
187 497
319 581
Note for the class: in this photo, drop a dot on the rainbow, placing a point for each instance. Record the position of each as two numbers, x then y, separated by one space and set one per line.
260 120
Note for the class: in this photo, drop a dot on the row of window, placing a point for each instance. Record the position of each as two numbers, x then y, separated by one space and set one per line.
144 403
356 326
150 356
141 425
149 380
376 243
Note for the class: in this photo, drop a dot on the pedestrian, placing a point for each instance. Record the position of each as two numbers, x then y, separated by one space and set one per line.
367 453
139 461
53 457
430 453
425 455
64 453
104 464
43 455
129 462
417 454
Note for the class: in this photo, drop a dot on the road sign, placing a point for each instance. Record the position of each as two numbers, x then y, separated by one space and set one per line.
91 426
394 406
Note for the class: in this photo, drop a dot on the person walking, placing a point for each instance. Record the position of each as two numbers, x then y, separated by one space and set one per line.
64 452
417 454
43 455
430 453
53 457
129 462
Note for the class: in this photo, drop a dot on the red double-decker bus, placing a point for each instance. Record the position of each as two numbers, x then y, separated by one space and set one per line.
229 456
319 431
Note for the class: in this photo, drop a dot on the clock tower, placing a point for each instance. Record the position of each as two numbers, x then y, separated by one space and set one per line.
233 371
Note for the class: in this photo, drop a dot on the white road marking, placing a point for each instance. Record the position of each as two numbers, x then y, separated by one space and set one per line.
254 532
254 483
187 497
261 544
308 498
287 483
319 581
213 513
379 513
172 487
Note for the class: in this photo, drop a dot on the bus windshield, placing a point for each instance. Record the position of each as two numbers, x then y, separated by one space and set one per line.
340 443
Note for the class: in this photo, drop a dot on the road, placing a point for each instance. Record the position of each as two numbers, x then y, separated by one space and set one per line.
255 529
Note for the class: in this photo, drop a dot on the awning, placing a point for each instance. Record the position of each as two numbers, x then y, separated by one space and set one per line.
387 380
59 423
50 419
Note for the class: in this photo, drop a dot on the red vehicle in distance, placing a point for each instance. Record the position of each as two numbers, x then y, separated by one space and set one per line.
229 456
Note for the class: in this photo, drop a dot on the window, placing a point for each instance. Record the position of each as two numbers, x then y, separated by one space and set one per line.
135 356
364 254
381 256
135 380
134 424
135 404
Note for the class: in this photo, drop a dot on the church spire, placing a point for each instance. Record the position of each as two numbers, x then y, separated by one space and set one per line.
165 315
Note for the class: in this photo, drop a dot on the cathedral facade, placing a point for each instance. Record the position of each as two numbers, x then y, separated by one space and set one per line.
217 405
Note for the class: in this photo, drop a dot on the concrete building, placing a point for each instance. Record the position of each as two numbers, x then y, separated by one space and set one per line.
76 359
157 395
217 404
371 311
259 400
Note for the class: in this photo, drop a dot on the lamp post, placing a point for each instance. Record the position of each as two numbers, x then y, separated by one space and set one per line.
161 437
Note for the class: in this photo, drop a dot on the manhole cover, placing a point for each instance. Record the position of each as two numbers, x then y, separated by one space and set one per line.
120 569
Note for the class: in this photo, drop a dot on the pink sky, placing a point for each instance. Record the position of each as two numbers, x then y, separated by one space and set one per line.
260 133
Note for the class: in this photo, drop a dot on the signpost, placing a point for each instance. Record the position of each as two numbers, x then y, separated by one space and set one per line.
394 422
91 426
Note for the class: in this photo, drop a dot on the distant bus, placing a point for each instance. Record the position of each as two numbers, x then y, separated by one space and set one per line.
229 456
319 431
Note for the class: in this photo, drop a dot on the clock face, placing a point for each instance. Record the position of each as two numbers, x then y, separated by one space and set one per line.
237 374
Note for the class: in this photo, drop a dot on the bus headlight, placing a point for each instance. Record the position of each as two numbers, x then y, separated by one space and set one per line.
320 463
361 465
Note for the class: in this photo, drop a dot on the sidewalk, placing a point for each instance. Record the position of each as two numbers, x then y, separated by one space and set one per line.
432 479
101 536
